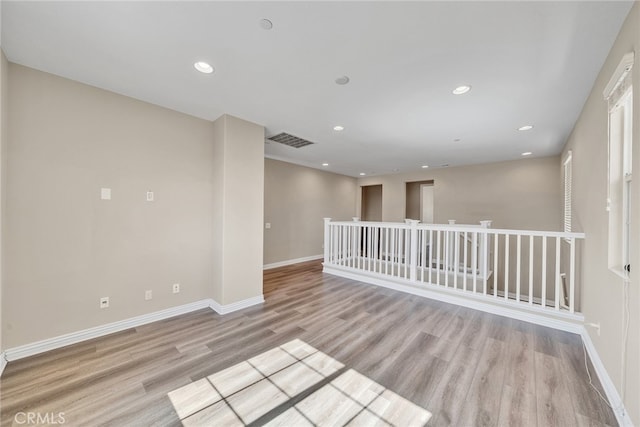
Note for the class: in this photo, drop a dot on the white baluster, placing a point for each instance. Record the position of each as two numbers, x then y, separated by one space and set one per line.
447 260
544 272
496 253
464 277
407 255
430 254
456 260
352 234
438 264
423 253
336 243
386 249
374 249
531 270
369 248
340 244
518 255
506 266
572 272
557 273
474 260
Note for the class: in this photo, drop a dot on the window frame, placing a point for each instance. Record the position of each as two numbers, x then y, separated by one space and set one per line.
619 96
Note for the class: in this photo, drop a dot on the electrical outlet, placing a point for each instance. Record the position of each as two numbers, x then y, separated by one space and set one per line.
149 196
176 288
148 295
104 302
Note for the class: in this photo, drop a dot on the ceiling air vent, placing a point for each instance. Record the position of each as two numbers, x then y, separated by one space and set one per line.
290 140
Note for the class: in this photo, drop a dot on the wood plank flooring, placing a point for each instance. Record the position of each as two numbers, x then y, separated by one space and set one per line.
466 367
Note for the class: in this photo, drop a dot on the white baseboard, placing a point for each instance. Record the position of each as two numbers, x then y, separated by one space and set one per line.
607 384
99 331
3 362
27 350
291 261
239 305
557 320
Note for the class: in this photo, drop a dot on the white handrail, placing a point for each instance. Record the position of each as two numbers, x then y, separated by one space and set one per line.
458 227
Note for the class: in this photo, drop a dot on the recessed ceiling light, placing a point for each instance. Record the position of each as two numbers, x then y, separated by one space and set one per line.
526 127
325 164
461 89
203 67
425 166
362 174
266 24
527 153
343 80
456 140
338 128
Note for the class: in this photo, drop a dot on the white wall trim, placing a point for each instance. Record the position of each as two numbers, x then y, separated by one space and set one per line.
623 68
607 384
292 261
235 306
99 331
561 321
3 362
38 347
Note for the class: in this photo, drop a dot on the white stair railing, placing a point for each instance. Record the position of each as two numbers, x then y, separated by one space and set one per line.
537 268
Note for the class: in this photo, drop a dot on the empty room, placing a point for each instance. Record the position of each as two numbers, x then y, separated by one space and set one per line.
319 213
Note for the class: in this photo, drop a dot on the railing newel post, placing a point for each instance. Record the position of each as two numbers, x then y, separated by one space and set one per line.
327 239
413 266
486 223
572 275
484 252
357 243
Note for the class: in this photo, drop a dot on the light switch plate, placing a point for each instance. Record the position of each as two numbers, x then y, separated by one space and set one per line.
105 193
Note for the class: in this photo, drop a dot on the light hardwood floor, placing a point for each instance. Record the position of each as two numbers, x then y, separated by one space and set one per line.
465 367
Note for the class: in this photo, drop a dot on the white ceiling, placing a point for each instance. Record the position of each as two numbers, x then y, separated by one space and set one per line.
528 63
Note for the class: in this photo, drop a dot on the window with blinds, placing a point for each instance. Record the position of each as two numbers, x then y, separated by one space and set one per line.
619 95
566 166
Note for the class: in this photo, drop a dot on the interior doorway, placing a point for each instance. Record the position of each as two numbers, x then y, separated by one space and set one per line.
371 207
420 201
426 202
